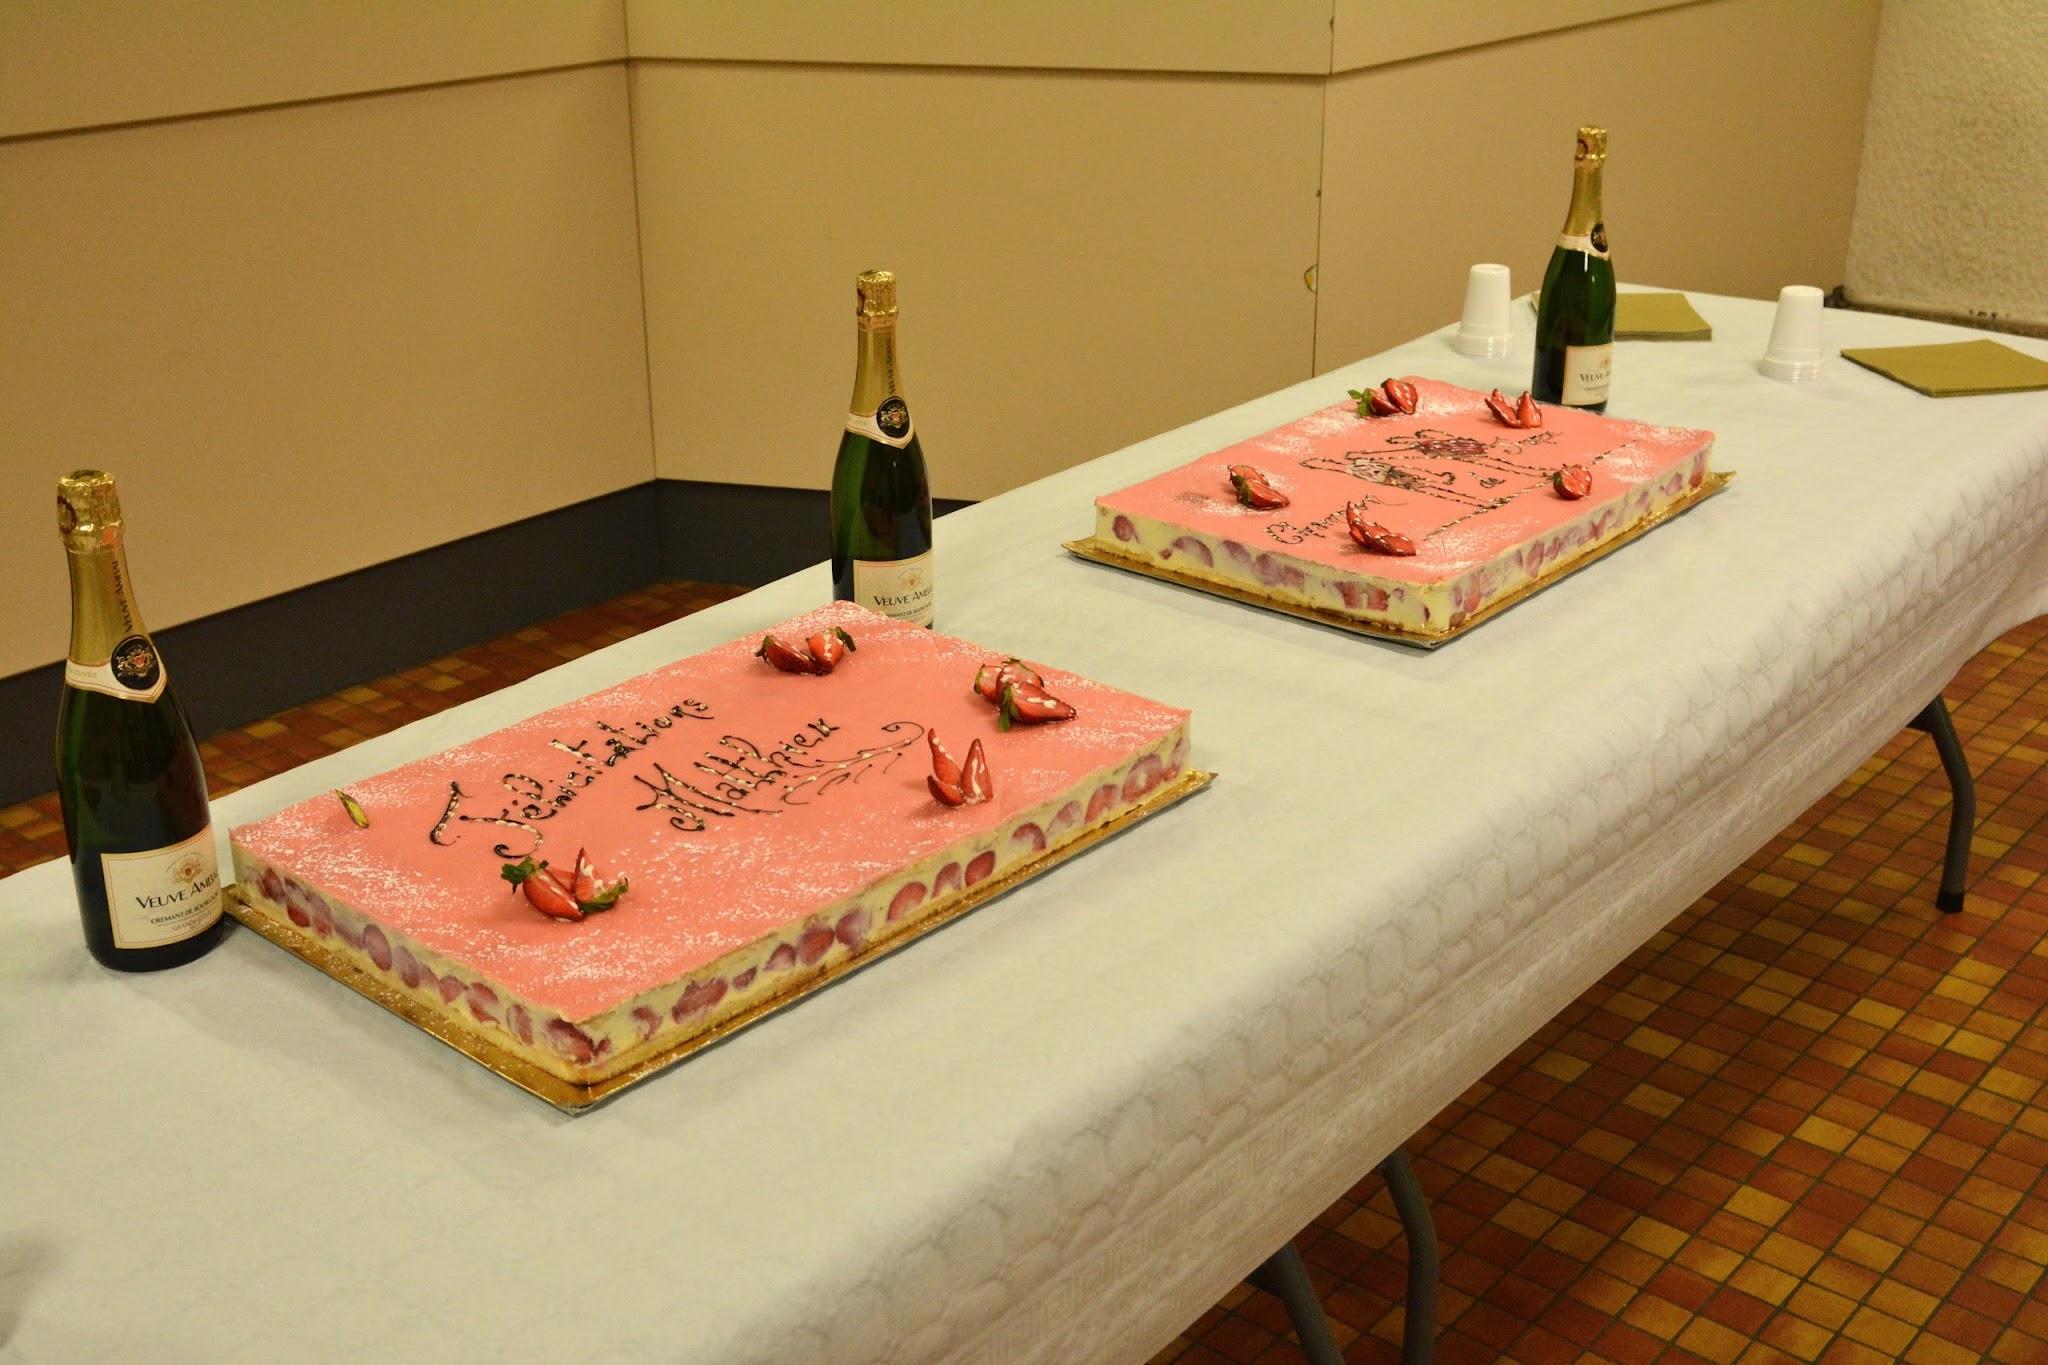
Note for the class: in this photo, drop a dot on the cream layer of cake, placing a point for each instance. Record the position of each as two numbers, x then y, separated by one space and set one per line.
1472 494
772 827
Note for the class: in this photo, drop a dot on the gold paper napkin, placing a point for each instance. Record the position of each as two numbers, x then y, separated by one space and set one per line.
1658 317
1956 369
1651 317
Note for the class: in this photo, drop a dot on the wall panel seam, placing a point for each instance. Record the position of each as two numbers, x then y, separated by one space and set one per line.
1550 32
271 106
971 69
640 276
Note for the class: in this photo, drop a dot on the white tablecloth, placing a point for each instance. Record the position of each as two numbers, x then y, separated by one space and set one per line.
1063 1127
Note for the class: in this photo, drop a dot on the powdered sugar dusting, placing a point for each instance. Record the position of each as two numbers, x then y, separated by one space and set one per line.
1465 488
735 798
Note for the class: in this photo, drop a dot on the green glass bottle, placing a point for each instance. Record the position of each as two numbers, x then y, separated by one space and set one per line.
1575 312
881 496
128 774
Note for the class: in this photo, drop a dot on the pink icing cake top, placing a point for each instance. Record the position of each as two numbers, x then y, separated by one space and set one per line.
1460 484
643 776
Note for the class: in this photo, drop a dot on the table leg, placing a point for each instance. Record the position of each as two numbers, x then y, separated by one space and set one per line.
1418 1329
1285 1277
1962 813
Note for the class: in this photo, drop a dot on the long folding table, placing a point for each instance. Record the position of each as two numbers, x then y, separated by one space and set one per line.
1062 1127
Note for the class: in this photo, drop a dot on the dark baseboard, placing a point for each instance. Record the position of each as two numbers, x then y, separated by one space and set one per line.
745 533
252 661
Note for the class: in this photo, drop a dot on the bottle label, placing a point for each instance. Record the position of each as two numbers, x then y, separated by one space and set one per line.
134 673
889 424
1586 371
1593 243
164 895
901 588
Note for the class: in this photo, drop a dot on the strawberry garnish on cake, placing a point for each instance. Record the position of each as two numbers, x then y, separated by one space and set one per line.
828 647
1019 694
958 784
819 654
788 659
1522 413
1028 703
975 782
992 677
558 897
1254 489
584 884
945 776
1373 536
1393 397
1572 482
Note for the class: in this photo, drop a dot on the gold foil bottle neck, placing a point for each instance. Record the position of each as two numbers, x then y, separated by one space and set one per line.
87 505
875 295
1592 145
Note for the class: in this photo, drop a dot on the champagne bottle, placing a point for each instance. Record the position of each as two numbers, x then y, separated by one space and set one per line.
1575 315
128 775
881 497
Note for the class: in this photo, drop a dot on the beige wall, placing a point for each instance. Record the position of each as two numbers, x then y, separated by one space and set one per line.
87 63
327 284
1377 32
1731 161
314 338
1265 36
1066 288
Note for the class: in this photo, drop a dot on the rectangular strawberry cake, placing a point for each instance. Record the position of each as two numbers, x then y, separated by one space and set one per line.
1415 508
604 882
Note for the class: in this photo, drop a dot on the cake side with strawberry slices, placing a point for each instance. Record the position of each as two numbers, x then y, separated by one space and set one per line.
607 880
1416 513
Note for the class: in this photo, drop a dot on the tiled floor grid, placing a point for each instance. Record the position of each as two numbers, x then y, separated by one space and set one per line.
1805 1122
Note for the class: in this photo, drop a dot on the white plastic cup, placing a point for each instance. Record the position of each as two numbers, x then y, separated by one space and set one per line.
1484 328
1794 352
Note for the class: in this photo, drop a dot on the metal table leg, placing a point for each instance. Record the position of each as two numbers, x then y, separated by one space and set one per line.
1962 813
1284 1276
1418 1328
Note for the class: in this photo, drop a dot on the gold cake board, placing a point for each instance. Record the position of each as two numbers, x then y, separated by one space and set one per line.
1105 552
572 1098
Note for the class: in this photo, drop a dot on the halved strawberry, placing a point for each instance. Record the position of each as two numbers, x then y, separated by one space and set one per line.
992 676
1402 393
787 659
1502 408
1374 403
828 647
1254 489
944 768
1374 536
1572 482
975 783
549 892
1527 414
1028 703
544 889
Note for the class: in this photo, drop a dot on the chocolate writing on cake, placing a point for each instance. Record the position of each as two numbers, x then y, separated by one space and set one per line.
535 799
741 777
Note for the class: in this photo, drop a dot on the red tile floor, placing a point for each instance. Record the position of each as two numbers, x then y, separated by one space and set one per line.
1804 1122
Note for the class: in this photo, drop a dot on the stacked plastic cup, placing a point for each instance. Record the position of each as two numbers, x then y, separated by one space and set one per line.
1794 352
1484 328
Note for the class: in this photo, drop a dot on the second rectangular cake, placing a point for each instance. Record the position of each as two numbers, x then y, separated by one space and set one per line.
1412 520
